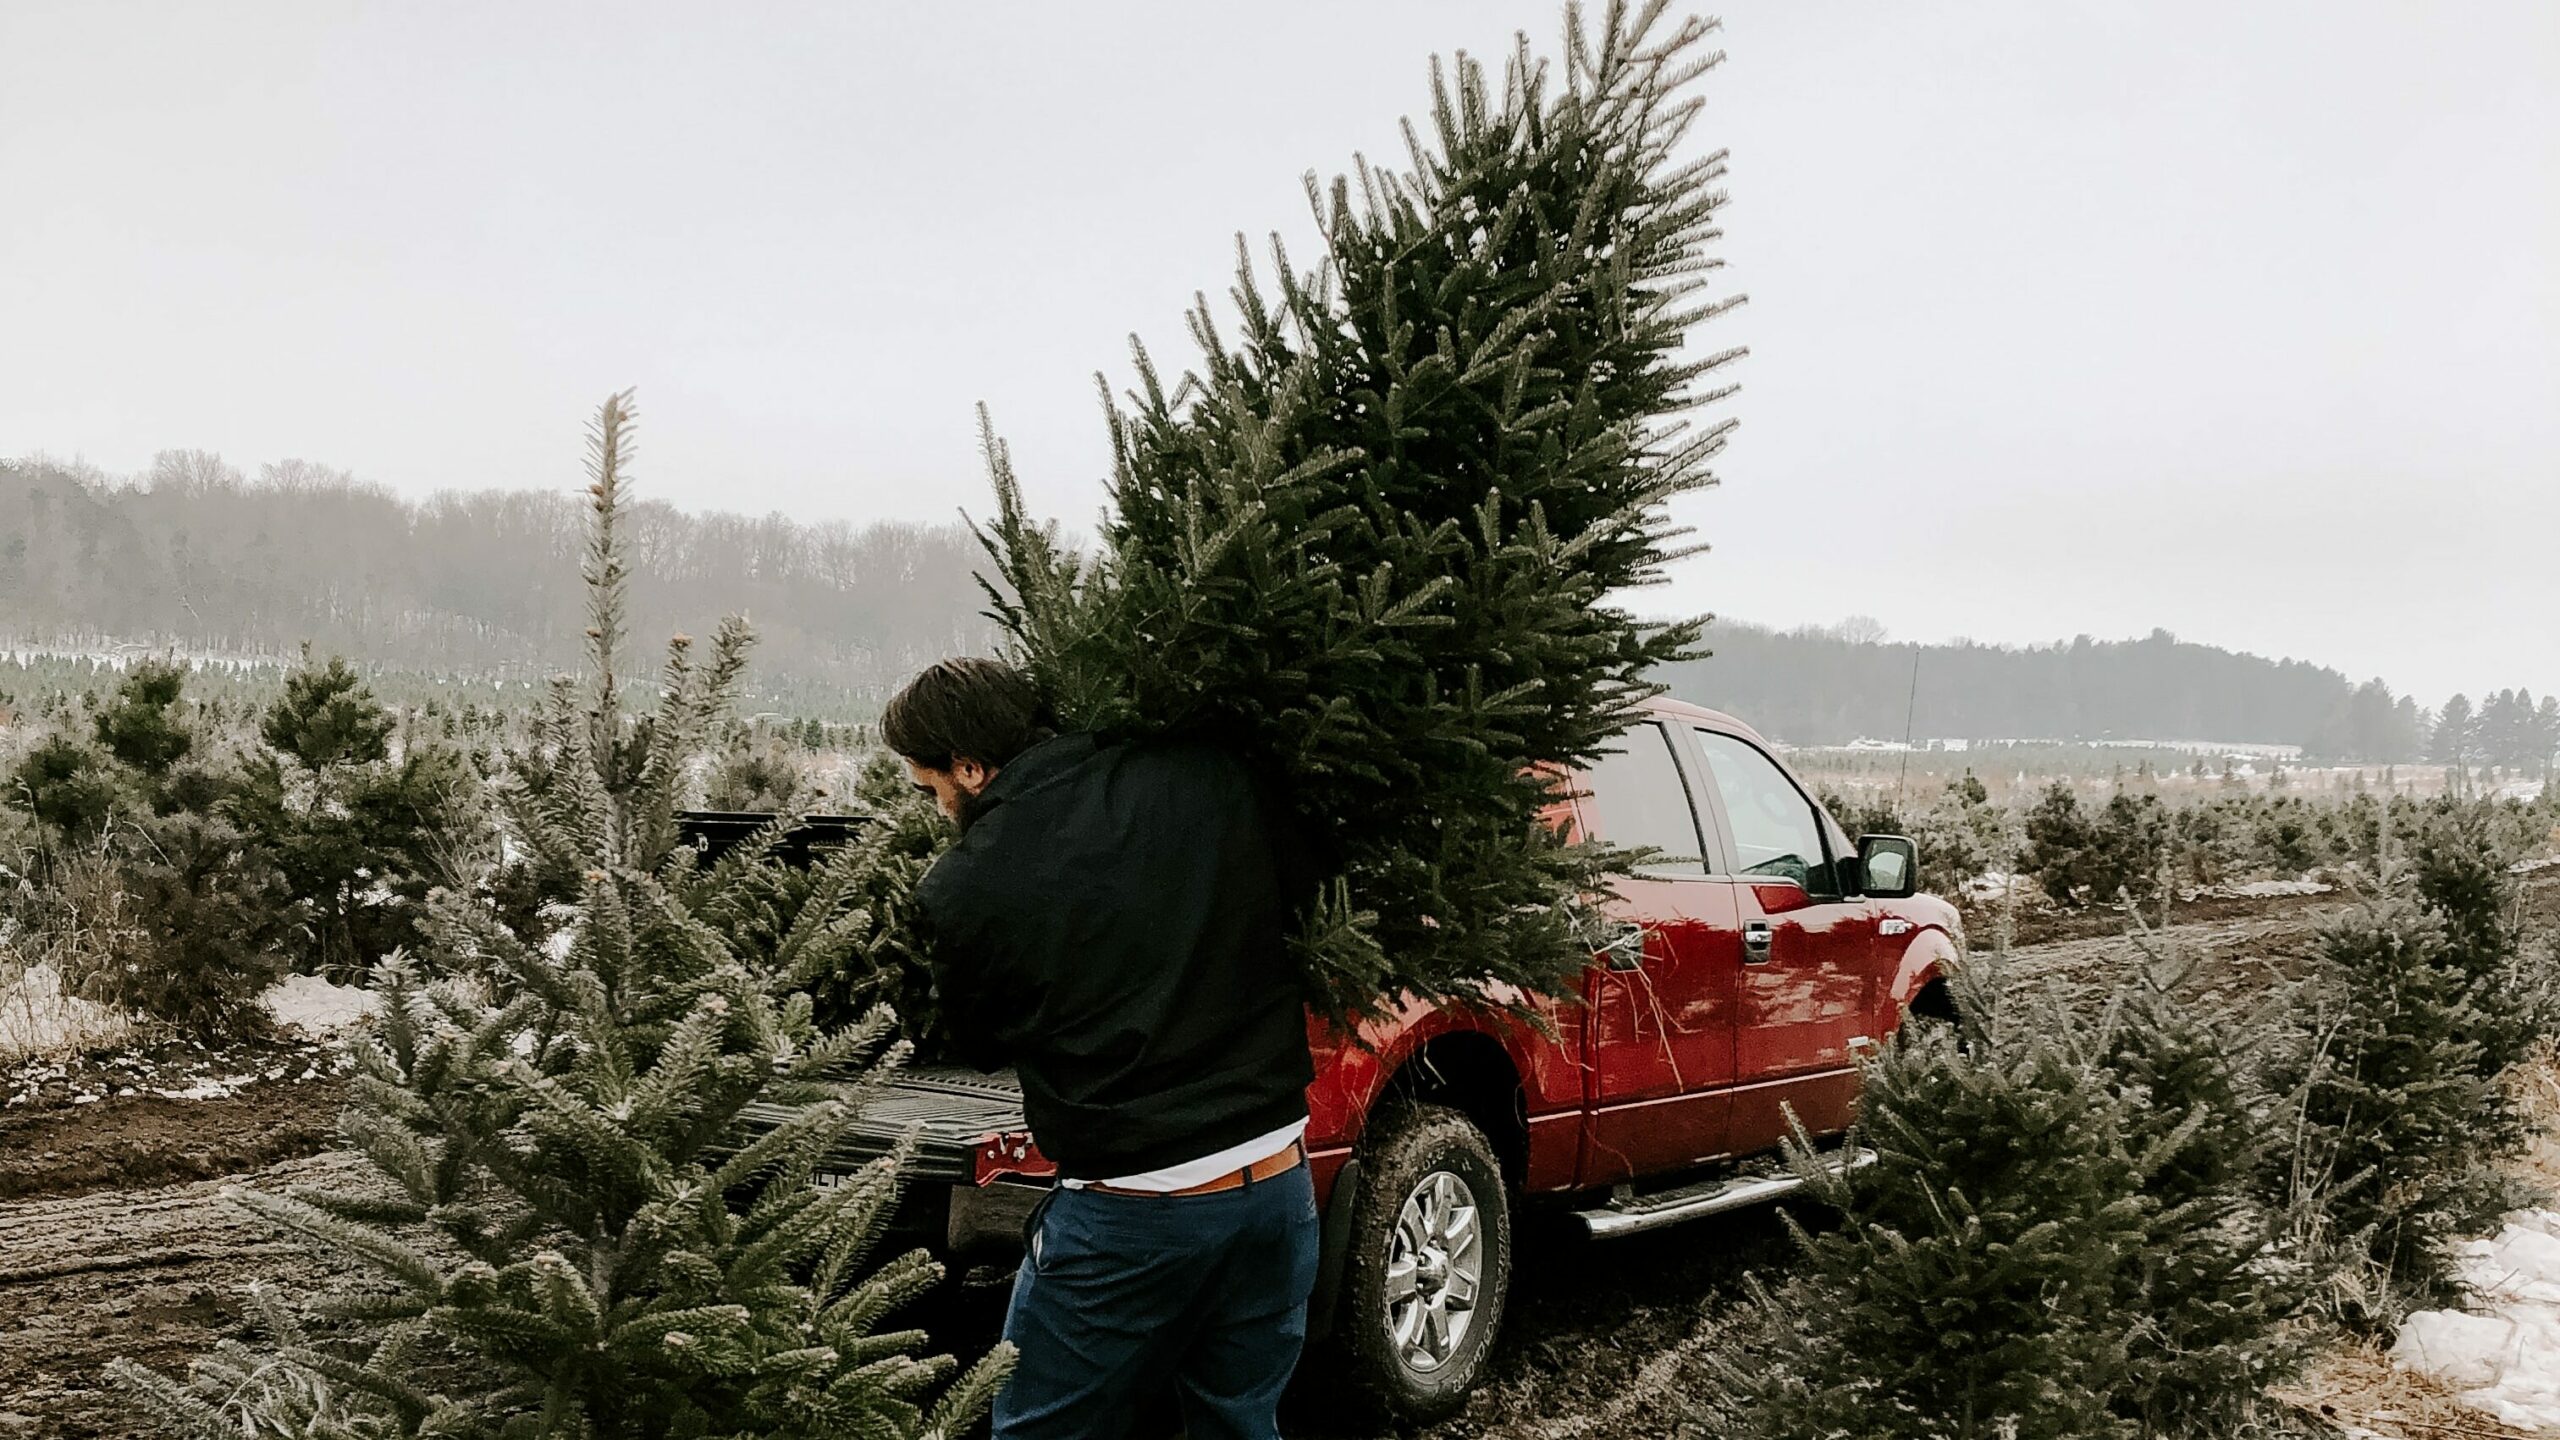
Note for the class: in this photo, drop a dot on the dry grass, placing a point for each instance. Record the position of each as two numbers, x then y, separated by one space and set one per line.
54 943
2535 1085
2358 1390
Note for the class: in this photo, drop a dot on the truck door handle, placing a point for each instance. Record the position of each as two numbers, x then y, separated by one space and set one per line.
1624 949
1756 937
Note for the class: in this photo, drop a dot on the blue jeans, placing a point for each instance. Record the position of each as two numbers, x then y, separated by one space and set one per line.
1122 1296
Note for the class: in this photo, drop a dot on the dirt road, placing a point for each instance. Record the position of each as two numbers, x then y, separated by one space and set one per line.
1593 1347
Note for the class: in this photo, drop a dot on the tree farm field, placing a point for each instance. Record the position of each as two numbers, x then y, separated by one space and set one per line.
115 1240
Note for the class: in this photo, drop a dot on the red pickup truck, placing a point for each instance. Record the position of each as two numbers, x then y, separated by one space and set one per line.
1736 979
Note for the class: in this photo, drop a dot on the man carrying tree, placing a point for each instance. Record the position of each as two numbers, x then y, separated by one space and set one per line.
1112 923
1375 548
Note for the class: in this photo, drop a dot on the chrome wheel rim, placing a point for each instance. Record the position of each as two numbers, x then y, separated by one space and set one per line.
1434 1271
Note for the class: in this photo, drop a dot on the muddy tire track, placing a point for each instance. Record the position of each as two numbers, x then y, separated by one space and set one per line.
156 1275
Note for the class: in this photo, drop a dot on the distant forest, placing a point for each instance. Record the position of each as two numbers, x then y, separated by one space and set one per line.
1828 685
195 556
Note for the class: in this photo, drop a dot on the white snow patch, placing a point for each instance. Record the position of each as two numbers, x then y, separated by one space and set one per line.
208 1089
1990 885
2504 1357
2257 890
37 1018
316 1005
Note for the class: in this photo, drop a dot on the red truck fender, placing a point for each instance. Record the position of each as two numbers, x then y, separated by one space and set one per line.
1919 980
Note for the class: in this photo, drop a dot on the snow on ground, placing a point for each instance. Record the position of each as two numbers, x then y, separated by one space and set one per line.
36 1017
1989 885
2257 890
317 1006
58 1049
2503 1357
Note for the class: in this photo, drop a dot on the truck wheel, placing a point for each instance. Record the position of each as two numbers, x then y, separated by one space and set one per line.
1429 1263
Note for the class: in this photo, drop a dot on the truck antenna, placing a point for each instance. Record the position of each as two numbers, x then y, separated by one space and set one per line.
1910 707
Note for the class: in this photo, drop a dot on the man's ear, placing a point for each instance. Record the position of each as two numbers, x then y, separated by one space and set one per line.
973 777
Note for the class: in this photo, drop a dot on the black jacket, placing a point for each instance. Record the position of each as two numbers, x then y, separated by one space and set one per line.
1112 924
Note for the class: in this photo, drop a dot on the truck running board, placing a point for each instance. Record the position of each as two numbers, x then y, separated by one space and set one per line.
1636 1214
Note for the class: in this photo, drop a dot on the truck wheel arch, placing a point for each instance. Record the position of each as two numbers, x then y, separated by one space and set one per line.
1475 1074
1923 968
1936 1001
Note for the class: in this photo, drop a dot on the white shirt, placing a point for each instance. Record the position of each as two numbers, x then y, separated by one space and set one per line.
1207 1167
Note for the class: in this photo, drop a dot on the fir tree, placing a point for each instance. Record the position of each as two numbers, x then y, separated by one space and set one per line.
903 834
2058 1240
360 835
757 773
573 1236
141 727
204 912
2415 1010
68 788
1966 1291
327 717
2211 1289
1376 543
2454 735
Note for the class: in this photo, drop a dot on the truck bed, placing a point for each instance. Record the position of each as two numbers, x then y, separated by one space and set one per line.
951 1108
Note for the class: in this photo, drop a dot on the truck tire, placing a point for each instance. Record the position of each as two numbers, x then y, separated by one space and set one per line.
1429 1264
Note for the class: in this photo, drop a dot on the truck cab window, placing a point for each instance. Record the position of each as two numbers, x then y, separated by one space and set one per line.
1774 830
1634 797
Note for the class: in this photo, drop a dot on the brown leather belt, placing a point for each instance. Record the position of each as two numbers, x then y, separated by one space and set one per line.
1253 1174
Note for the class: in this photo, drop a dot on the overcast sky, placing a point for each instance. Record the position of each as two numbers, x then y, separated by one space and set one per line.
2240 320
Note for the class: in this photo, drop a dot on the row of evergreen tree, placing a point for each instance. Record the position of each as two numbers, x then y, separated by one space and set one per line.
173 866
2136 845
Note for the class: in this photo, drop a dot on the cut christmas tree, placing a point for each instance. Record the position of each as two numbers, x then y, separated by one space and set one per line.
1381 545
570 1231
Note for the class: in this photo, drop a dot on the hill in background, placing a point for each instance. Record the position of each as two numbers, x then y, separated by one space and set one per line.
196 557
1825 686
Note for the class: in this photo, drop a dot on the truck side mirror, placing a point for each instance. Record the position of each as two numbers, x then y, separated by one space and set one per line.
1889 866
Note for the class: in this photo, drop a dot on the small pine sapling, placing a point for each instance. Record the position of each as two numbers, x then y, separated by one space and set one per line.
142 726
2045 1247
2213 1287
360 833
2415 1010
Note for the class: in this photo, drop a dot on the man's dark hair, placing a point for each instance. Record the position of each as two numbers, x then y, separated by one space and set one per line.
966 708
